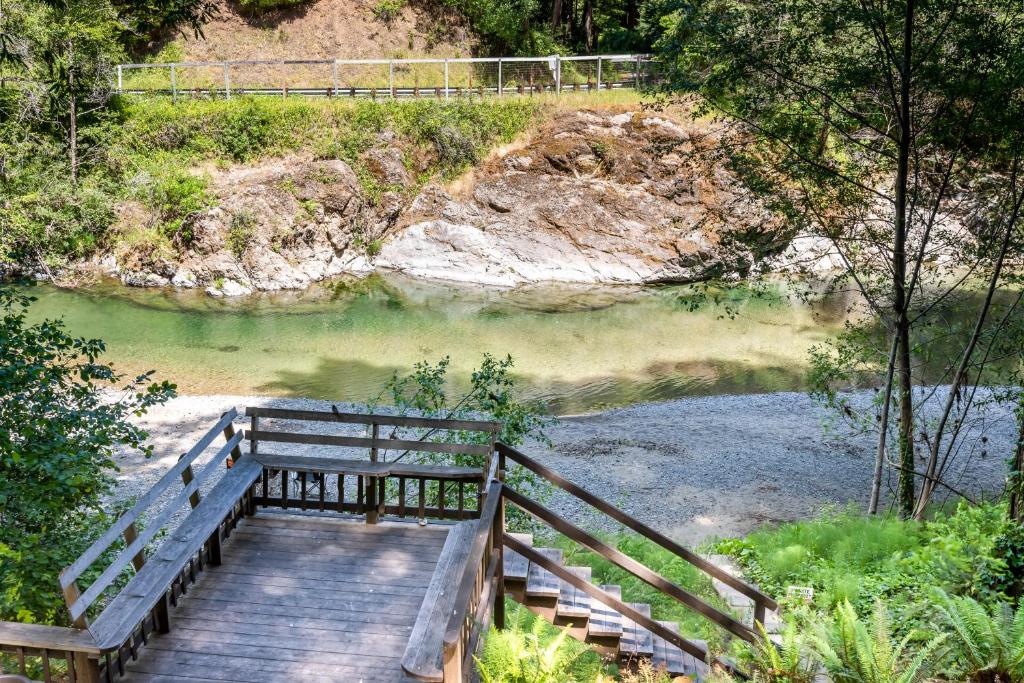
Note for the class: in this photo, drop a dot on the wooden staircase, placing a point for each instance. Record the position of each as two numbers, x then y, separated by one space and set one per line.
598 614
587 619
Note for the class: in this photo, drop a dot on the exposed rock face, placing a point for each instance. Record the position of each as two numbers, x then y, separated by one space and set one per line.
277 226
593 198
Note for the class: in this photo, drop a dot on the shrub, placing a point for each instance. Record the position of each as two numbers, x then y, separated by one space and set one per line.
987 642
58 436
258 6
529 650
177 197
855 652
388 10
240 234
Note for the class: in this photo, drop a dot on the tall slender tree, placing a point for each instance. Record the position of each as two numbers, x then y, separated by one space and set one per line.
890 133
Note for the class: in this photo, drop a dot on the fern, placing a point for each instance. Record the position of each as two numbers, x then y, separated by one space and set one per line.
787 662
855 652
987 643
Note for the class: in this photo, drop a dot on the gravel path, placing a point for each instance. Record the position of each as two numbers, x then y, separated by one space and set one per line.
694 468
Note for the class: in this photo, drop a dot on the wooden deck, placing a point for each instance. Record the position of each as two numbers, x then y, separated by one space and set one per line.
299 598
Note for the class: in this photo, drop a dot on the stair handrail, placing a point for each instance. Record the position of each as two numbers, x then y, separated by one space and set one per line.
624 561
618 605
762 602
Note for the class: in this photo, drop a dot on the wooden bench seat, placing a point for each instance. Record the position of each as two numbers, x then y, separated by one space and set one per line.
423 655
365 468
126 611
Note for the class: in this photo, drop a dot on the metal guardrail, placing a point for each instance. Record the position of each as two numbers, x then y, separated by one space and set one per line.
421 77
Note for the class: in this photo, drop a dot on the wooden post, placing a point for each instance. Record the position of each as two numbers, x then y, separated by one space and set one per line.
236 452
163 614
187 475
452 663
86 670
71 595
498 546
130 534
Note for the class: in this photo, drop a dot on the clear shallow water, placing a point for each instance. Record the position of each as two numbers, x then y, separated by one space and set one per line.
577 349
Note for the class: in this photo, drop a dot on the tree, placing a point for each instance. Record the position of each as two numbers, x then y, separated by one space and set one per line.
891 133
63 415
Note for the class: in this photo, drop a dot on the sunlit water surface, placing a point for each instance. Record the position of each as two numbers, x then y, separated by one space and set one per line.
577 349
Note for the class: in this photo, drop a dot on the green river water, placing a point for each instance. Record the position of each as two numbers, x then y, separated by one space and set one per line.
577 349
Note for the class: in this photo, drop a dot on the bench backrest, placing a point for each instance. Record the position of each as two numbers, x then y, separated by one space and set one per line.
127 525
378 445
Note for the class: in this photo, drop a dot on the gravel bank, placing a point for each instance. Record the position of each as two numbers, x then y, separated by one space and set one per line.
694 468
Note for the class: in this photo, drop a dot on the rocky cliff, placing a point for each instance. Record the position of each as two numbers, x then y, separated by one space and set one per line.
589 197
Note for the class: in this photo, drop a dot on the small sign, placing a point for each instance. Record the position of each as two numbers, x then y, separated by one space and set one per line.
803 593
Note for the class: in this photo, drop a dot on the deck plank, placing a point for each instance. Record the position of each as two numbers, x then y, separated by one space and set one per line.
299 599
515 565
572 602
604 621
636 640
541 583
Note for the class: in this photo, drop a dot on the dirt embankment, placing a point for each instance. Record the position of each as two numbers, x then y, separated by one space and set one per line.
331 29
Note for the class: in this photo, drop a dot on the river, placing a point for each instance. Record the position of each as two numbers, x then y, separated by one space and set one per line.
576 349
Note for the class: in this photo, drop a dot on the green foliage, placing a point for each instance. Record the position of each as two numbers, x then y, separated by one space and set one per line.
258 6
529 650
178 197
388 10
240 234
987 642
59 432
857 652
786 662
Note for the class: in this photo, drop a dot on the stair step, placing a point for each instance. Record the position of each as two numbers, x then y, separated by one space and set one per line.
636 641
540 583
672 659
516 566
572 602
604 621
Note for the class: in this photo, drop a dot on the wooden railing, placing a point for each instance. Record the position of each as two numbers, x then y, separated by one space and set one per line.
382 485
56 653
761 601
479 590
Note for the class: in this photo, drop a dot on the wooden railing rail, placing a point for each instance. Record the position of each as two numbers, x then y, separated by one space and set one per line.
373 418
478 589
618 605
125 526
627 563
762 601
61 654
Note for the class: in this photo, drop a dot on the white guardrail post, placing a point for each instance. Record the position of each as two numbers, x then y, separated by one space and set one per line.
174 86
558 74
500 91
119 87
227 81
446 79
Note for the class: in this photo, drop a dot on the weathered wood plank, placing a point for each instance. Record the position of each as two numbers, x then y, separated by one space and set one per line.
366 419
671 658
636 640
367 442
41 636
423 656
540 583
516 566
604 621
572 602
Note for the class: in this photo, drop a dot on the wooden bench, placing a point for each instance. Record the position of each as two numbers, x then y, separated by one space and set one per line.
371 474
154 575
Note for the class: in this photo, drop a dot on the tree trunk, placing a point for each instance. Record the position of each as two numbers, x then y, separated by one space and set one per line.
900 303
883 433
73 114
632 13
556 14
1016 477
588 25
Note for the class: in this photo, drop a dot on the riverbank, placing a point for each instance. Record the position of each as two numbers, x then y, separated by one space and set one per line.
694 468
